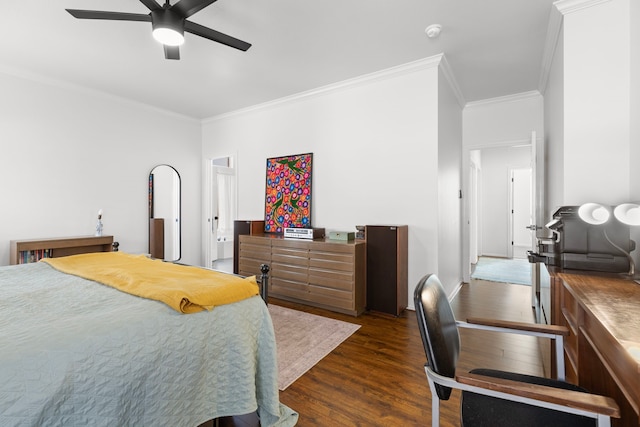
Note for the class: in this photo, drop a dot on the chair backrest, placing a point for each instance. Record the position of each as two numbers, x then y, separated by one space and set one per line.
438 329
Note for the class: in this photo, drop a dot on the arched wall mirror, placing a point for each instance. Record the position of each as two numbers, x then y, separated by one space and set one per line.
164 213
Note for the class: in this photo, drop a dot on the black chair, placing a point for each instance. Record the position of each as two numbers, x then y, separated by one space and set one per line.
496 398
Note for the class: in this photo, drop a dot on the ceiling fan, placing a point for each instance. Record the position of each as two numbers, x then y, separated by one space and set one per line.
169 23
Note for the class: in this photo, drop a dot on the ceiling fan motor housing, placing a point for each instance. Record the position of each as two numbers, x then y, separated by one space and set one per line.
167 19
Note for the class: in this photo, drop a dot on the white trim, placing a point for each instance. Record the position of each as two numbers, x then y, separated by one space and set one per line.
569 6
455 292
421 64
498 144
451 79
502 99
62 84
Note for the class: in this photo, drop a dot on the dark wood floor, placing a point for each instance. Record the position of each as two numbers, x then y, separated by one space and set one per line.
376 377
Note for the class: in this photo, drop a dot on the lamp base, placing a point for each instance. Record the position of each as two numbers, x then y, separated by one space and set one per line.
634 277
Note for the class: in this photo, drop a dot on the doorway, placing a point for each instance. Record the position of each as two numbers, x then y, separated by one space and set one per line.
222 207
492 231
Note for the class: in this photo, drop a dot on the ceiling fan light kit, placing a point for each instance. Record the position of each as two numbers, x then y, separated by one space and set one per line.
169 23
168 28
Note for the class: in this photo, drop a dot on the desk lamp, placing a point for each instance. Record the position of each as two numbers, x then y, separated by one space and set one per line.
626 213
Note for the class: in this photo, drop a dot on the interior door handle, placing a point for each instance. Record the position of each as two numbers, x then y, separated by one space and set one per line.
533 227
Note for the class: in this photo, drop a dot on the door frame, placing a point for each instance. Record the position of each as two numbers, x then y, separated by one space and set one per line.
209 245
466 160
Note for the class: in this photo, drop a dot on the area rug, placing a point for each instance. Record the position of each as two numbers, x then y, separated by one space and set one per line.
505 270
303 339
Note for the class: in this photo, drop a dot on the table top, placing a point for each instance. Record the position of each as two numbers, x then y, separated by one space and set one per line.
614 302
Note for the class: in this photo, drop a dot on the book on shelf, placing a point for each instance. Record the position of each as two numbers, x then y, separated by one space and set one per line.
34 255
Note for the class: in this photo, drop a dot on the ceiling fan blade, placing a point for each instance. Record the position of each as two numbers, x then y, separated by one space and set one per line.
171 52
114 16
151 4
186 8
216 36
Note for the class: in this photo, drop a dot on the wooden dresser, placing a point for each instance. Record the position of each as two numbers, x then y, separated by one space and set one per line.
323 273
602 353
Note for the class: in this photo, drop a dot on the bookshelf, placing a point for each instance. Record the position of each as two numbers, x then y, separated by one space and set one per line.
25 251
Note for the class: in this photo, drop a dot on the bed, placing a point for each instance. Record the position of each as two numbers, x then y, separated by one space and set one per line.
77 353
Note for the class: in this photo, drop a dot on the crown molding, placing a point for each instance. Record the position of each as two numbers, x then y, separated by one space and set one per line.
451 79
410 67
559 9
502 99
566 7
510 143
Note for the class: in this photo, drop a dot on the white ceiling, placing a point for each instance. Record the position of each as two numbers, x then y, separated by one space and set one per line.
494 48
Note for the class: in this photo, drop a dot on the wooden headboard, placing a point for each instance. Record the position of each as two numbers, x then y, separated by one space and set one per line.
24 251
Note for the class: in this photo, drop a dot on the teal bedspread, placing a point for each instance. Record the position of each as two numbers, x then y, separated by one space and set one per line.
77 353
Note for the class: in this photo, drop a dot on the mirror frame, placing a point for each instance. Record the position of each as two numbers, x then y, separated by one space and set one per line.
150 199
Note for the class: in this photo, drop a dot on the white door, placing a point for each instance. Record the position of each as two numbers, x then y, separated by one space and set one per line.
473 213
222 210
521 212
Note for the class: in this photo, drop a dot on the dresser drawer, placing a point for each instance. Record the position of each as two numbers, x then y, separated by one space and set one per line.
294 257
333 297
290 272
331 279
338 263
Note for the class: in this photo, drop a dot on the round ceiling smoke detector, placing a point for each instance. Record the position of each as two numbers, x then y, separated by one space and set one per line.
433 31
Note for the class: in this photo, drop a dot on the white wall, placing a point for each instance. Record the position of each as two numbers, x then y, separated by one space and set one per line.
375 145
449 183
591 102
554 130
597 104
502 121
67 152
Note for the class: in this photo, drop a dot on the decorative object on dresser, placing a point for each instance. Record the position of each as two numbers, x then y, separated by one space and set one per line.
241 228
321 273
304 233
99 224
342 235
387 268
288 193
25 251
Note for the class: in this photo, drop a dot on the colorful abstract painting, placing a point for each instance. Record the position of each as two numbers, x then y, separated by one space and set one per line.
288 193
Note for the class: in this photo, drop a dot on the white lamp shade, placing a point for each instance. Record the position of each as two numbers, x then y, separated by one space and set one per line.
594 213
628 213
168 36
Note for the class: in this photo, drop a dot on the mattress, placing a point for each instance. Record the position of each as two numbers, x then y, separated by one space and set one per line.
78 353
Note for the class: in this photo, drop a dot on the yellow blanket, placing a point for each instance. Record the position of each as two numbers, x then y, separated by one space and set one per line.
184 288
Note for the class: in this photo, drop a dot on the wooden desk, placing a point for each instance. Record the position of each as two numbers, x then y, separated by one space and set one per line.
602 353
